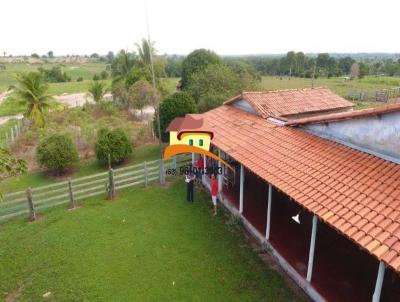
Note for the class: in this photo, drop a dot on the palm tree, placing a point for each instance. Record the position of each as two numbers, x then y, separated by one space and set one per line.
97 90
144 51
31 91
122 65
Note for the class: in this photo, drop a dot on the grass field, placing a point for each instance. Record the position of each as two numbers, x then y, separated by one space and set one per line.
86 167
149 245
74 70
338 85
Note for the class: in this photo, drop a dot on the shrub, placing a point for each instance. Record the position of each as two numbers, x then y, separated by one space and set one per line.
54 75
80 79
104 75
114 143
57 153
96 77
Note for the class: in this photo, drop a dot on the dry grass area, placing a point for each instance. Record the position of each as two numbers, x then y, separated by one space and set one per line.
82 124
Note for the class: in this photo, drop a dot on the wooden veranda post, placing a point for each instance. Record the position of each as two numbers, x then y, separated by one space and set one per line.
268 230
241 189
30 204
379 281
219 174
312 248
71 195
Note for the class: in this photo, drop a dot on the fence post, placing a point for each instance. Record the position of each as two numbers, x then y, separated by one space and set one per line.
71 195
145 174
30 204
174 162
111 186
162 182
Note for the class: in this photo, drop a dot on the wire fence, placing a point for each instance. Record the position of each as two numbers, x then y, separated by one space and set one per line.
12 133
383 95
72 191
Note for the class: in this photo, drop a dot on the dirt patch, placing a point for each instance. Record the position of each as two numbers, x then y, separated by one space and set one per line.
14 296
38 218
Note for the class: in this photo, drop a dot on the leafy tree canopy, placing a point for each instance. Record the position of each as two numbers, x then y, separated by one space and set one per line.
176 105
196 61
217 83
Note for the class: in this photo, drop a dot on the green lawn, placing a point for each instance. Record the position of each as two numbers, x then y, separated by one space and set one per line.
148 245
33 179
338 85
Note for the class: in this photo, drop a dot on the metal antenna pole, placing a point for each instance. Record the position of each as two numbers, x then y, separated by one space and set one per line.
313 76
154 91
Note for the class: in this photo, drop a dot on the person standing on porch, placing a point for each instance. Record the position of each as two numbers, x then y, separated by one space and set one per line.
214 192
200 167
189 179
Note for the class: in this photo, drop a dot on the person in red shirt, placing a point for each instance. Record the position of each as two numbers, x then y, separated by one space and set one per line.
214 192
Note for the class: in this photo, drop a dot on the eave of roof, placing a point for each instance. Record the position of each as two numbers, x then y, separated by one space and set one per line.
345 115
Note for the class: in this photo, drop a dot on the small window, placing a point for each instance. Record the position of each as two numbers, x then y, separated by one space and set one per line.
190 142
201 142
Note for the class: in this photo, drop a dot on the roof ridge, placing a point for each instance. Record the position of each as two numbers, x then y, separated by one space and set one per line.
283 90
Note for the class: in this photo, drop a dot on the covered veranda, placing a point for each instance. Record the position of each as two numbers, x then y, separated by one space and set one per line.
331 265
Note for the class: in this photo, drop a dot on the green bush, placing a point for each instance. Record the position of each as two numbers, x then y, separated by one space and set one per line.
114 143
104 75
176 105
80 79
96 77
57 153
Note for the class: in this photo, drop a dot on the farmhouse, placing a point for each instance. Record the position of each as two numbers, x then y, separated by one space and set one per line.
305 154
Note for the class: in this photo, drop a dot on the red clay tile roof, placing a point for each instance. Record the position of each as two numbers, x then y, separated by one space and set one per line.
356 193
281 103
345 115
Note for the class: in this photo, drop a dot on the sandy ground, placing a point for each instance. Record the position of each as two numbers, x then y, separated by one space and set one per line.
5 119
145 115
77 100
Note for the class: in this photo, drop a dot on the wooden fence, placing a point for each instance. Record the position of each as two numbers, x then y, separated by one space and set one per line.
383 95
70 192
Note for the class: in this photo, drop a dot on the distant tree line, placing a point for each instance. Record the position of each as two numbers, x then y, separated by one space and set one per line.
299 64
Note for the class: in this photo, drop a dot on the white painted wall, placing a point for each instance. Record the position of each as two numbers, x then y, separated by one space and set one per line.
378 134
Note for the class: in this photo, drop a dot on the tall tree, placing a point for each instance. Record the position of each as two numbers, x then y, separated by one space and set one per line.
142 94
32 91
122 65
144 50
196 61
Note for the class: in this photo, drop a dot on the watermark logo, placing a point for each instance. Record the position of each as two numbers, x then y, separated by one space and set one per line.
190 134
